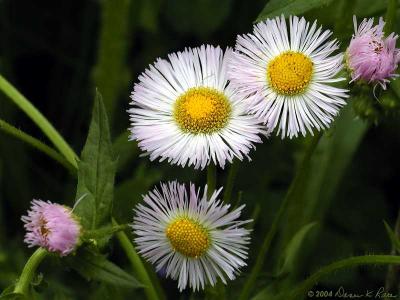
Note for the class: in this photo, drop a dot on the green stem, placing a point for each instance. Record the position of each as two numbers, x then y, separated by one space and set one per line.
233 170
393 274
390 17
35 143
72 158
22 286
38 118
301 171
300 291
211 179
111 72
137 264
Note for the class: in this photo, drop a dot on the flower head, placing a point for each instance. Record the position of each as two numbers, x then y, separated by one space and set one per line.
286 75
51 226
192 238
370 56
184 110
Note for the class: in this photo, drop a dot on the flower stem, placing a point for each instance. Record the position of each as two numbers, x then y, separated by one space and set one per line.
72 158
137 264
38 118
393 274
211 179
301 171
35 143
22 286
233 170
300 291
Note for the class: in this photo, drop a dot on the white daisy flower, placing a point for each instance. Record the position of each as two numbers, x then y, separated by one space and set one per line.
287 75
192 239
185 111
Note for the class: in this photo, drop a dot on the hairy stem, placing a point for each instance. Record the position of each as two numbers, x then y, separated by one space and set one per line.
301 171
29 271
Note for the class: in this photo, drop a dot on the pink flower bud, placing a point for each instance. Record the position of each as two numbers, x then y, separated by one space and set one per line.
51 226
370 56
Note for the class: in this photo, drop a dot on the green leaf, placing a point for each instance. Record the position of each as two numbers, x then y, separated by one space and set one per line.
328 165
94 266
125 150
101 236
111 71
8 294
130 191
300 291
96 172
289 7
393 238
273 291
291 253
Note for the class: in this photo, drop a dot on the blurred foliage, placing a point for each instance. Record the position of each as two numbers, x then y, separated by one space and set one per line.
57 52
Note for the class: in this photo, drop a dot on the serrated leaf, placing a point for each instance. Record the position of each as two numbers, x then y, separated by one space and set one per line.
96 172
392 236
94 266
289 7
291 252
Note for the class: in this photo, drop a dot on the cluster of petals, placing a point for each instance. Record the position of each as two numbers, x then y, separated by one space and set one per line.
318 101
51 226
152 111
372 57
225 251
206 106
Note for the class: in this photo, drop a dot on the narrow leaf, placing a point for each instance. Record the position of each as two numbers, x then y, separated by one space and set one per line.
300 291
289 7
8 294
94 266
292 250
96 172
392 236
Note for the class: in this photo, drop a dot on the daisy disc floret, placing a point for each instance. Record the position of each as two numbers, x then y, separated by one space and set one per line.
370 56
193 239
51 226
185 111
285 74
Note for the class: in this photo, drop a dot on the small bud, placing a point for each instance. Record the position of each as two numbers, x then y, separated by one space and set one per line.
371 57
52 226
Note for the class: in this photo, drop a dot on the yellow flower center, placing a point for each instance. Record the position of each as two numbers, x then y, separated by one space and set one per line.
290 73
202 110
188 237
